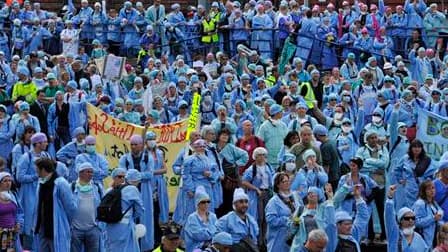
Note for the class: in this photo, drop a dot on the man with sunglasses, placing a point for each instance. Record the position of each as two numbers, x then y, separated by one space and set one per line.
239 224
401 236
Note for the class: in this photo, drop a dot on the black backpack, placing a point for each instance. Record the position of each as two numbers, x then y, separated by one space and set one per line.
109 210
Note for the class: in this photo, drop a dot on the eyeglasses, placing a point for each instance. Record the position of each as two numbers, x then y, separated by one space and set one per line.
243 201
376 115
408 218
205 202
333 99
120 176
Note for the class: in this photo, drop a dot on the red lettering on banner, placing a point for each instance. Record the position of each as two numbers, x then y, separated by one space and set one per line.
98 125
171 133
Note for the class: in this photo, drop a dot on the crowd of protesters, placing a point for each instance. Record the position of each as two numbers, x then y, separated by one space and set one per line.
307 137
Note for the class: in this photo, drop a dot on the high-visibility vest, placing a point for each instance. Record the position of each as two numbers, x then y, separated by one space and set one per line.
209 27
309 96
270 81
159 249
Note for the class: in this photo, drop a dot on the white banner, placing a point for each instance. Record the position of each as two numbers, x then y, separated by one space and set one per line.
432 130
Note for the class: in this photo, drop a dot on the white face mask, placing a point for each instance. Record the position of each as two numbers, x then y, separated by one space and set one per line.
376 119
90 149
227 103
346 98
207 99
346 129
152 143
44 180
338 116
345 237
290 166
408 231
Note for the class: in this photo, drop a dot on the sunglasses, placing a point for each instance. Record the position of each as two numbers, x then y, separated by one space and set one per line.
408 218
243 201
205 202
120 176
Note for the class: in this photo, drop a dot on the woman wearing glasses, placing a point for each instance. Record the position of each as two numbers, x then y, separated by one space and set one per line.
427 212
279 211
201 225
442 239
198 171
401 236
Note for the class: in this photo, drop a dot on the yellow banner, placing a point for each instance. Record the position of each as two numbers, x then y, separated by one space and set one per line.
112 138
193 121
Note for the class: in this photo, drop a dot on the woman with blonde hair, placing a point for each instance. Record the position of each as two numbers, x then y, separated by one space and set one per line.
442 239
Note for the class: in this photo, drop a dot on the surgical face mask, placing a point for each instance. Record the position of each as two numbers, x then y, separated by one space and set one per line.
85 188
290 166
118 110
376 119
338 116
152 143
408 231
83 142
207 99
346 98
346 129
446 98
90 149
227 103
345 237
44 180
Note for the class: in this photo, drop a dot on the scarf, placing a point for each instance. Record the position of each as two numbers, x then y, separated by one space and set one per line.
422 165
289 201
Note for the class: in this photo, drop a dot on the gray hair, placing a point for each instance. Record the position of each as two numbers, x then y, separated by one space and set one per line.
206 129
317 235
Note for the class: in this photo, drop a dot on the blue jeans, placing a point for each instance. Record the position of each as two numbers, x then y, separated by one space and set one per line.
89 240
